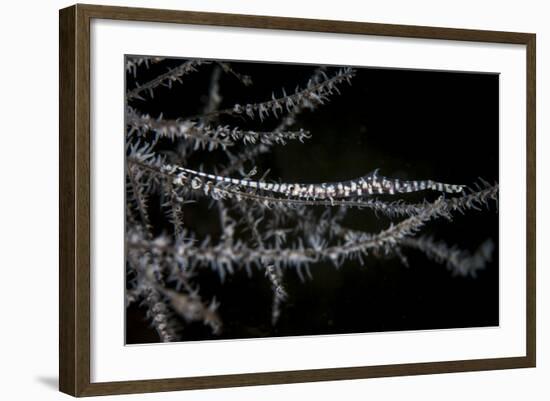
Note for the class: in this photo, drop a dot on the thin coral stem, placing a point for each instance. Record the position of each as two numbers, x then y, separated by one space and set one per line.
166 79
221 135
241 254
314 94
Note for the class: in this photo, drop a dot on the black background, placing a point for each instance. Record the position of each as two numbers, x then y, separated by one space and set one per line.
410 124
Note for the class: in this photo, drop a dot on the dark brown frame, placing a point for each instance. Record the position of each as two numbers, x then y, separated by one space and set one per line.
74 202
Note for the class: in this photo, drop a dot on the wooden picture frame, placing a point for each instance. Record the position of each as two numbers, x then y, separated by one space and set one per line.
75 203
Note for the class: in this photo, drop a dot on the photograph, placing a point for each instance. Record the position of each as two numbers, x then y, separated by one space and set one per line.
276 199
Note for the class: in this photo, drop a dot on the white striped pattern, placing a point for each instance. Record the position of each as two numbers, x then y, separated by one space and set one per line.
369 184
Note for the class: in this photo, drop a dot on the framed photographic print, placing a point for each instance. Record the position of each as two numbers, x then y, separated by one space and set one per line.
252 200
